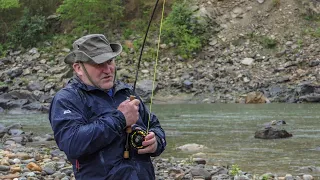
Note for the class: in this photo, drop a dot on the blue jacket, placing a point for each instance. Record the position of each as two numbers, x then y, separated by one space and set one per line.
91 131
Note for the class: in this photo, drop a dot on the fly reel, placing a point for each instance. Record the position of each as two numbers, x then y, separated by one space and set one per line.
136 138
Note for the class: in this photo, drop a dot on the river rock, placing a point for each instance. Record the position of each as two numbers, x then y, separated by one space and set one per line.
191 147
256 98
272 133
34 167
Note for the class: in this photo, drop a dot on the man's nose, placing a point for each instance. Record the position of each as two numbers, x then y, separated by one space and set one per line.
106 68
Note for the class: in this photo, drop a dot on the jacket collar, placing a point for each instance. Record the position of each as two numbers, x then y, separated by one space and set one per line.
118 85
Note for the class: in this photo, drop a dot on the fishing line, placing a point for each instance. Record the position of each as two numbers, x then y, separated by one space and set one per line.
138 136
155 66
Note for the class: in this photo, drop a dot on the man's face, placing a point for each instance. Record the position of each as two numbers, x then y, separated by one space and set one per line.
102 75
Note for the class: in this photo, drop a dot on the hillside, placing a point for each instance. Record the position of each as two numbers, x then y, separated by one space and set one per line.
270 46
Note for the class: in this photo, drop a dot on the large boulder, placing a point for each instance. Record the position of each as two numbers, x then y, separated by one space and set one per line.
272 133
256 98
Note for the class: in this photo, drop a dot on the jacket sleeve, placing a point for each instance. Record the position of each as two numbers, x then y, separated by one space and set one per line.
155 127
74 133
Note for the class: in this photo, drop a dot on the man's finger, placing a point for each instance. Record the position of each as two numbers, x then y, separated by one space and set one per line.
135 102
149 142
147 149
150 136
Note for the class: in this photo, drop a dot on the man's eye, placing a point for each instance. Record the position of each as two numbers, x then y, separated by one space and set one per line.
109 61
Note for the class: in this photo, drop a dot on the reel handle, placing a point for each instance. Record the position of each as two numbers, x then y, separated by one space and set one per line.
128 131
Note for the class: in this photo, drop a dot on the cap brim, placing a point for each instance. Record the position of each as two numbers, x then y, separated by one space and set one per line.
75 56
116 48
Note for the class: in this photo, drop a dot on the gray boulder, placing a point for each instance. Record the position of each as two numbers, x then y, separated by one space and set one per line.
272 133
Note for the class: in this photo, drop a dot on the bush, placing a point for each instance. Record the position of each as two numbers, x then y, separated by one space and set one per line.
7 4
28 31
2 51
184 30
265 41
91 15
268 42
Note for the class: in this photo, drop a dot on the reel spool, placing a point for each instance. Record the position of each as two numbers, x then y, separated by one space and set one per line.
136 139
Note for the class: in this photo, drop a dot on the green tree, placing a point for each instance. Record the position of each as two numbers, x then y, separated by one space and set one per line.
92 15
29 30
183 29
7 4
41 7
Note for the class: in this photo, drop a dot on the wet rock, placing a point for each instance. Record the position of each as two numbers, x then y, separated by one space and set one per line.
199 161
15 169
144 89
191 147
275 123
247 61
4 88
9 176
50 168
35 85
15 132
260 1
200 172
35 106
272 133
14 72
16 103
4 168
256 98
34 167
1 111
313 97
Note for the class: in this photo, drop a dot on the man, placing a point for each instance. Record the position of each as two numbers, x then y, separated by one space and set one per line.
90 115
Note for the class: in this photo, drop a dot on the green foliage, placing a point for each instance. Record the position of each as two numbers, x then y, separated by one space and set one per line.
92 15
182 29
28 31
41 7
2 84
268 42
3 50
127 33
314 32
188 160
2 53
266 177
57 42
311 17
265 41
7 4
235 170
276 3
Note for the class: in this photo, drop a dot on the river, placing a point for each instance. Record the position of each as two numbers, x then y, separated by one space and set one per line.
228 132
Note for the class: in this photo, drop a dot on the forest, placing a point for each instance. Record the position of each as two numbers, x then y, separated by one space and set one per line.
28 23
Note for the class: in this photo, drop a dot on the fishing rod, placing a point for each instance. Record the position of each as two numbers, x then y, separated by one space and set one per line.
138 136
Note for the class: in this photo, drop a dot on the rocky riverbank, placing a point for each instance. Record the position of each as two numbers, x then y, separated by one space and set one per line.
25 156
20 163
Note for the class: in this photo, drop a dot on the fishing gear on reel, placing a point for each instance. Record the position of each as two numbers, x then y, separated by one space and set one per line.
136 138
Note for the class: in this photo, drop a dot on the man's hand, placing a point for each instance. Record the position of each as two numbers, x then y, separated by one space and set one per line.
150 144
130 110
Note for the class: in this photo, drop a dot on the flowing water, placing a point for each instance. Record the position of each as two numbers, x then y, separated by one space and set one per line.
228 132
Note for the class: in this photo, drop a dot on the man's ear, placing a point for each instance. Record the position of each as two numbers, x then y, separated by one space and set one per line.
77 68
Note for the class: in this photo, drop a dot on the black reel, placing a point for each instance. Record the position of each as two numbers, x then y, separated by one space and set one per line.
136 139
